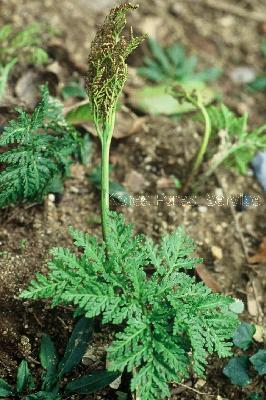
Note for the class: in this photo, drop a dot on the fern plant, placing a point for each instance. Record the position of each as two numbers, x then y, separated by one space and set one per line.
168 322
36 152
21 46
238 144
171 323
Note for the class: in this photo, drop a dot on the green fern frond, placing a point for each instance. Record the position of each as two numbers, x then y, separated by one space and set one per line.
170 322
37 150
238 145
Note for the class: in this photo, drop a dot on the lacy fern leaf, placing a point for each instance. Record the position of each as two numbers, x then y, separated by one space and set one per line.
170 322
37 151
238 144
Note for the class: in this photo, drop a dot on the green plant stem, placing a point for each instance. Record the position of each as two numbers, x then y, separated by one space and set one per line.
105 188
106 137
206 137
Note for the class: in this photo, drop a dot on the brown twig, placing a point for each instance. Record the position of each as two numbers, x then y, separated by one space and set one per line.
198 392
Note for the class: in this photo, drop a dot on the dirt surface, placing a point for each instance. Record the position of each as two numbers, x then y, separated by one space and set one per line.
143 162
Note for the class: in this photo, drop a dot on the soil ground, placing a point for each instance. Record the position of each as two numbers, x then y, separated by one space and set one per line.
143 163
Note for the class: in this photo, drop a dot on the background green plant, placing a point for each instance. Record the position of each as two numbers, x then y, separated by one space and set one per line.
239 368
172 64
36 152
53 385
238 144
25 46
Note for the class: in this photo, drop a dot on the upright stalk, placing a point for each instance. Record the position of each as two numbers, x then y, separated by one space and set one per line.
196 100
106 77
105 143
105 189
206 137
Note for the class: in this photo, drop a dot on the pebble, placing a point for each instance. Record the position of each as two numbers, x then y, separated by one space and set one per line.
200 383
74 189
51 197
218 229
202 209
217 252
259 167
135 182
243 74
177 9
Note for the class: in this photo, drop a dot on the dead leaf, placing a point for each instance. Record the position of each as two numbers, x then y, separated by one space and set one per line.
260 256
206 277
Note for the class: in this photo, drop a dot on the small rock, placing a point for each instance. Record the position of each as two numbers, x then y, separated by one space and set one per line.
202 209
51 197
116 383
243 74
217 252
151 25
74 189
218 228
227 21
200 383
177 9
165 183
135 182
259 167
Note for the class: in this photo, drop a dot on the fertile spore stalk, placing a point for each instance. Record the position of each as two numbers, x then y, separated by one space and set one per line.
107 74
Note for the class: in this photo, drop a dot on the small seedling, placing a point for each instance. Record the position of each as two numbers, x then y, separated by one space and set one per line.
173 65
170 67
53 385
237 146
23 46
37 152
239 368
